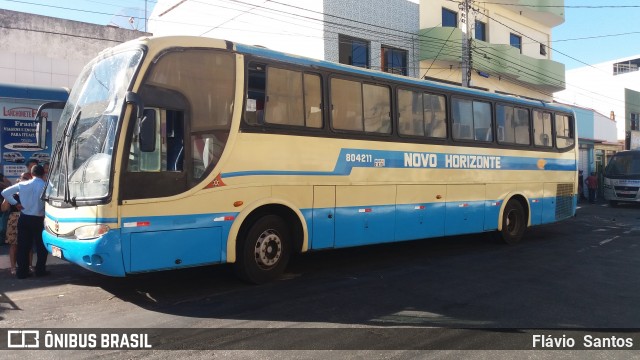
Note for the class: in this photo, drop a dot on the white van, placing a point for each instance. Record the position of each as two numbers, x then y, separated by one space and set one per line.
41 158
14 157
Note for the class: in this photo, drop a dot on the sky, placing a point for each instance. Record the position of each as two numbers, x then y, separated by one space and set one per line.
594 23
102 12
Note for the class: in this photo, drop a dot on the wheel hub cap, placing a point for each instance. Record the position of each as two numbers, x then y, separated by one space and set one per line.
268 249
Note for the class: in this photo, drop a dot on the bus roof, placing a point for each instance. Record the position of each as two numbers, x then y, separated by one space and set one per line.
33 92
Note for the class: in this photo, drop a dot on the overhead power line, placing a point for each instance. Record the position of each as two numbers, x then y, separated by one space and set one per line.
401 36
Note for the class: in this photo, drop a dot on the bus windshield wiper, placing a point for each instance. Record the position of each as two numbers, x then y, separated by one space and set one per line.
66 150
55 161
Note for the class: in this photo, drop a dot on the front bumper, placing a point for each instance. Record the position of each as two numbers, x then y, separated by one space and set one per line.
102 255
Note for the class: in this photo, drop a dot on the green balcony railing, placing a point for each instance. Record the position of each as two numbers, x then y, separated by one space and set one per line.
445 44
548 12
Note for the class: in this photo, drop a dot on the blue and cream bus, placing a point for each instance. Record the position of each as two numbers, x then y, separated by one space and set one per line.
188 151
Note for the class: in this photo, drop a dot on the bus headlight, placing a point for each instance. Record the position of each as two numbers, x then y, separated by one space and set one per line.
90 231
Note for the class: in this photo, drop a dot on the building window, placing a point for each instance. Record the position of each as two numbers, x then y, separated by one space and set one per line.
635 121
626 66
449 18
394 61
543 49
481 30
353 51
516 41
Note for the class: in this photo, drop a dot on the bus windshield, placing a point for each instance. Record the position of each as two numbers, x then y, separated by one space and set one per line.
624 164
87 129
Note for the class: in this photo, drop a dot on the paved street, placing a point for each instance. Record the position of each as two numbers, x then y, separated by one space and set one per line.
580 273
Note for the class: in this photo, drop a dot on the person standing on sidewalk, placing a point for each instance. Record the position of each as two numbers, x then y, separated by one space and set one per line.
592 185
30 223
12 227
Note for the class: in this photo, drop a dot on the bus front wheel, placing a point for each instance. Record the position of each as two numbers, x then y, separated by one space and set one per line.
263 251
513 223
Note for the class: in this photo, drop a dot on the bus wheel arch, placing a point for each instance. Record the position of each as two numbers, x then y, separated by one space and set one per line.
265 239
514 219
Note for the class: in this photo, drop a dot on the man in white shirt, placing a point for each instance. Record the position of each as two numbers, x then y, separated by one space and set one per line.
31 221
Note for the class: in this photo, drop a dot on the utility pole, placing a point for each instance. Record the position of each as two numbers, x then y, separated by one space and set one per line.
465 26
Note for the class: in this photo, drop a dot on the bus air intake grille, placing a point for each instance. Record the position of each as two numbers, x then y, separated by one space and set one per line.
629 192
564 201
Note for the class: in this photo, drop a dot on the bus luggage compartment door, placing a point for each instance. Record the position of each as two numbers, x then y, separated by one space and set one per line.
157 250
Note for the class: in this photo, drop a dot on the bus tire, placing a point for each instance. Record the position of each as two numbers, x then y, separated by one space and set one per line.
613 203
514 223
263 252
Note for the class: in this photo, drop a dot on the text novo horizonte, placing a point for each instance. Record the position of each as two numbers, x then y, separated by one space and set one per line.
451 161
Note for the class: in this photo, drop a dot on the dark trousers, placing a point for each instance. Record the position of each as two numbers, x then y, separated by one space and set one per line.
30 231
592 195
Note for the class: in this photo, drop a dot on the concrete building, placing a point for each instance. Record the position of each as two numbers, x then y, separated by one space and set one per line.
374 34
611 88
46 51
509 40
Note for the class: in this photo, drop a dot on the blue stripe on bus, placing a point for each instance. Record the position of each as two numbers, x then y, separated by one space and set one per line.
173 222
366 158
81 219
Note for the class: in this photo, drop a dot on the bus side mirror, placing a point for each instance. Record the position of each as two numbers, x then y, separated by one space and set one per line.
41 122
135 99
147 131
146 119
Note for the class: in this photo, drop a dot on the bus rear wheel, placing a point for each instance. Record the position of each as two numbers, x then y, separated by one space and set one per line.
514 223
263 253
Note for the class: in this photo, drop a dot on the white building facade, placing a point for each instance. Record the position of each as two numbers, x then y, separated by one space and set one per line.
611 88
46 51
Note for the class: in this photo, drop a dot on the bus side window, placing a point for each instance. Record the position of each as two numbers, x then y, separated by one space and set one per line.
472 120
169 152
542 129
564 131
256 86
207 150
174 141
